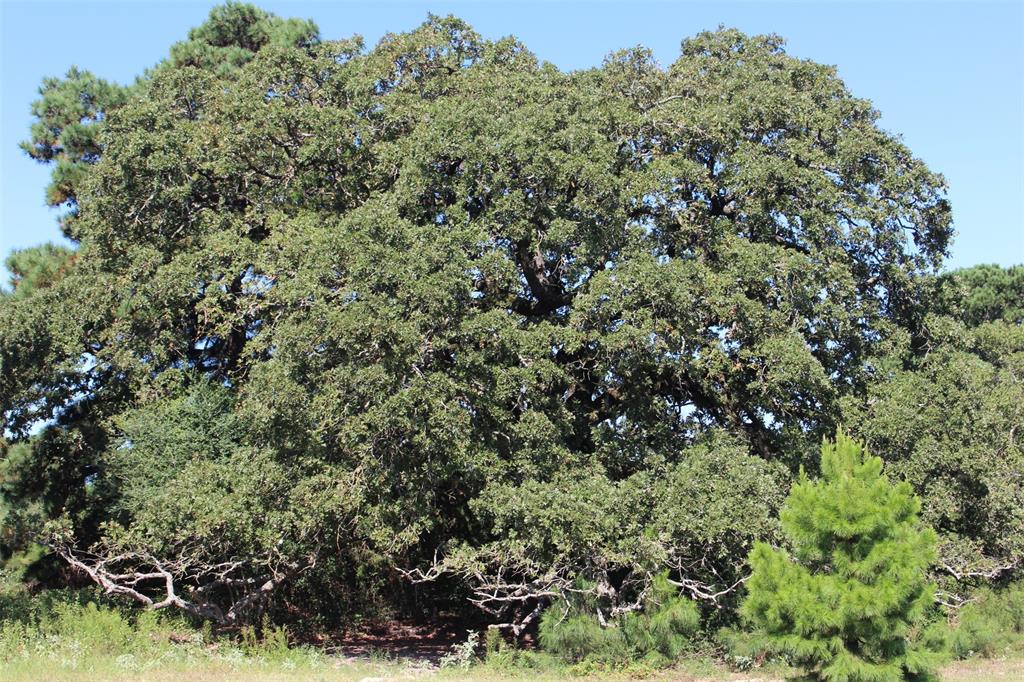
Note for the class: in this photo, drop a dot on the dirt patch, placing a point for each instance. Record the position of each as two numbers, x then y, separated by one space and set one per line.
395 641
985 670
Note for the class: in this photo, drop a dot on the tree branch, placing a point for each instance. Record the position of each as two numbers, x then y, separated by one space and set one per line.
549 292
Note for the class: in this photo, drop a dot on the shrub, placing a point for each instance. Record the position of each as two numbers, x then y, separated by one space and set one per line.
103 631
658 634
991 625
844 605
504 655
579 636
463 654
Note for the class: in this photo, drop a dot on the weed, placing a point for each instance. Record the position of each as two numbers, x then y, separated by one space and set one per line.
463 654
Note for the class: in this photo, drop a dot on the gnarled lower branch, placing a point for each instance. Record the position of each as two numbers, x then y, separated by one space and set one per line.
703 591
128 584
156 583
991 573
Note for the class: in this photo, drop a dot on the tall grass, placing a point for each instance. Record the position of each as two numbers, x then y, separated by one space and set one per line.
77 634
81 635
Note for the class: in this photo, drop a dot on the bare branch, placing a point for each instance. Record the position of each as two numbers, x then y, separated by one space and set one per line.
433 572
990 574
950 600
139 576
699 590
126 583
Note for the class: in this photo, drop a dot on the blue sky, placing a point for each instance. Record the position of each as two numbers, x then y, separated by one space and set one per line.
948 77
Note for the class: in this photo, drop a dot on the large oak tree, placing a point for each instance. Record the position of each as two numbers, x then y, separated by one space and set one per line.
340 315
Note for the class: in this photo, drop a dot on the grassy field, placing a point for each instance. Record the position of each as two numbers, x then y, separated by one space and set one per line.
79 636
331 669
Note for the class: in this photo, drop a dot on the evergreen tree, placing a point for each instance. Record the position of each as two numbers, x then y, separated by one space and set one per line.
983 293
37 268
842 606
70 113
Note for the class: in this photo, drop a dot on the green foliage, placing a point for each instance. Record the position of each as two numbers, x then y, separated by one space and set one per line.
983 293
72 633
335 311
991 625
947 423
234 33
577 636
79 624
715 504
843 605
463 654
37 268
55 473
704 513
267 640
657 635
161 441
505 655
70 115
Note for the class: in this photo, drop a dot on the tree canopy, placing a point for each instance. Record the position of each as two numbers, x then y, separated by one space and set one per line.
435 320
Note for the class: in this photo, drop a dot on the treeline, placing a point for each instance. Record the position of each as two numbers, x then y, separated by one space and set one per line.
435 327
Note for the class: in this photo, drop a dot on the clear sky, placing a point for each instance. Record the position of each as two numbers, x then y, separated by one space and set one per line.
948 77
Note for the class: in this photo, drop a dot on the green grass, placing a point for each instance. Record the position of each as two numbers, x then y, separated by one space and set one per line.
65 635
207 670
211 669
78 635
149 649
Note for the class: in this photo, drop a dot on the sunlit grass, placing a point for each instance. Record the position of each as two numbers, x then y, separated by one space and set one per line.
65 635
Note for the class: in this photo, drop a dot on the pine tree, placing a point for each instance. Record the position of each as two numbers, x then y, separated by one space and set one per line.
843 604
